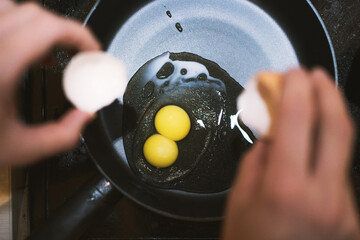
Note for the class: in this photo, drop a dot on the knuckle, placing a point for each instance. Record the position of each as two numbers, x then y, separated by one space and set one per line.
297 110
282 194
330 219
351 229
323 78
348 130
31 7
64 28
51 19
72 138
349 126
6 4
67 137
330 215
86 30
292 74
341 126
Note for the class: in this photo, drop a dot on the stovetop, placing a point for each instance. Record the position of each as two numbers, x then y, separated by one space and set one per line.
51 182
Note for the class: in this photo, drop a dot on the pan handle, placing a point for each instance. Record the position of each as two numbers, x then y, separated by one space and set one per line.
91 204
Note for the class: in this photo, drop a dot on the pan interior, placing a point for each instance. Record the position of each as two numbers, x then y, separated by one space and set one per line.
208 155
236 34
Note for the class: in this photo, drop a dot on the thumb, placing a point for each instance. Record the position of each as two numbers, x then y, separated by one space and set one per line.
249 173
51 138
244 187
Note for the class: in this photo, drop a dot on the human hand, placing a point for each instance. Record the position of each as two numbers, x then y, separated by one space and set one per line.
296 185
27 34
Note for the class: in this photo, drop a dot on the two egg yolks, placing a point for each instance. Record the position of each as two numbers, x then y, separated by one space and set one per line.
173 124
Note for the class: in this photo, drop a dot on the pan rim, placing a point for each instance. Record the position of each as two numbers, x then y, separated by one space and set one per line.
165 213
331 46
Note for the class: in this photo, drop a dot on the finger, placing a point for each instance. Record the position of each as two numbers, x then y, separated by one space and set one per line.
14 16
245 185
249 174
43 141
291 146
41 34
5 5
351 218
336 132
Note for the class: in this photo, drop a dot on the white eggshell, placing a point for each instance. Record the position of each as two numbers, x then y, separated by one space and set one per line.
253 110
93 80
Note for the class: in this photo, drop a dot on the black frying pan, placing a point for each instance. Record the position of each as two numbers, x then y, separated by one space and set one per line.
285 33
298 20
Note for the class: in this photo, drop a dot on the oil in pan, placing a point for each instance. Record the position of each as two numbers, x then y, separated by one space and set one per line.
208 156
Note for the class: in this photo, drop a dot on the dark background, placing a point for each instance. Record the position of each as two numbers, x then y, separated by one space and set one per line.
51 182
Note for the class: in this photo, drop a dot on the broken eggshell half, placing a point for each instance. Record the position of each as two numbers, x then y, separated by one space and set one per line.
93 80
259 103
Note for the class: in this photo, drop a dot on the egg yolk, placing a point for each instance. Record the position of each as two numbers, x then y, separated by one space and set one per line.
172 122
160 151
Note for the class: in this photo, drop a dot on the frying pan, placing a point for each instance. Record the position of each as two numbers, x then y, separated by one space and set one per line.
242 36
